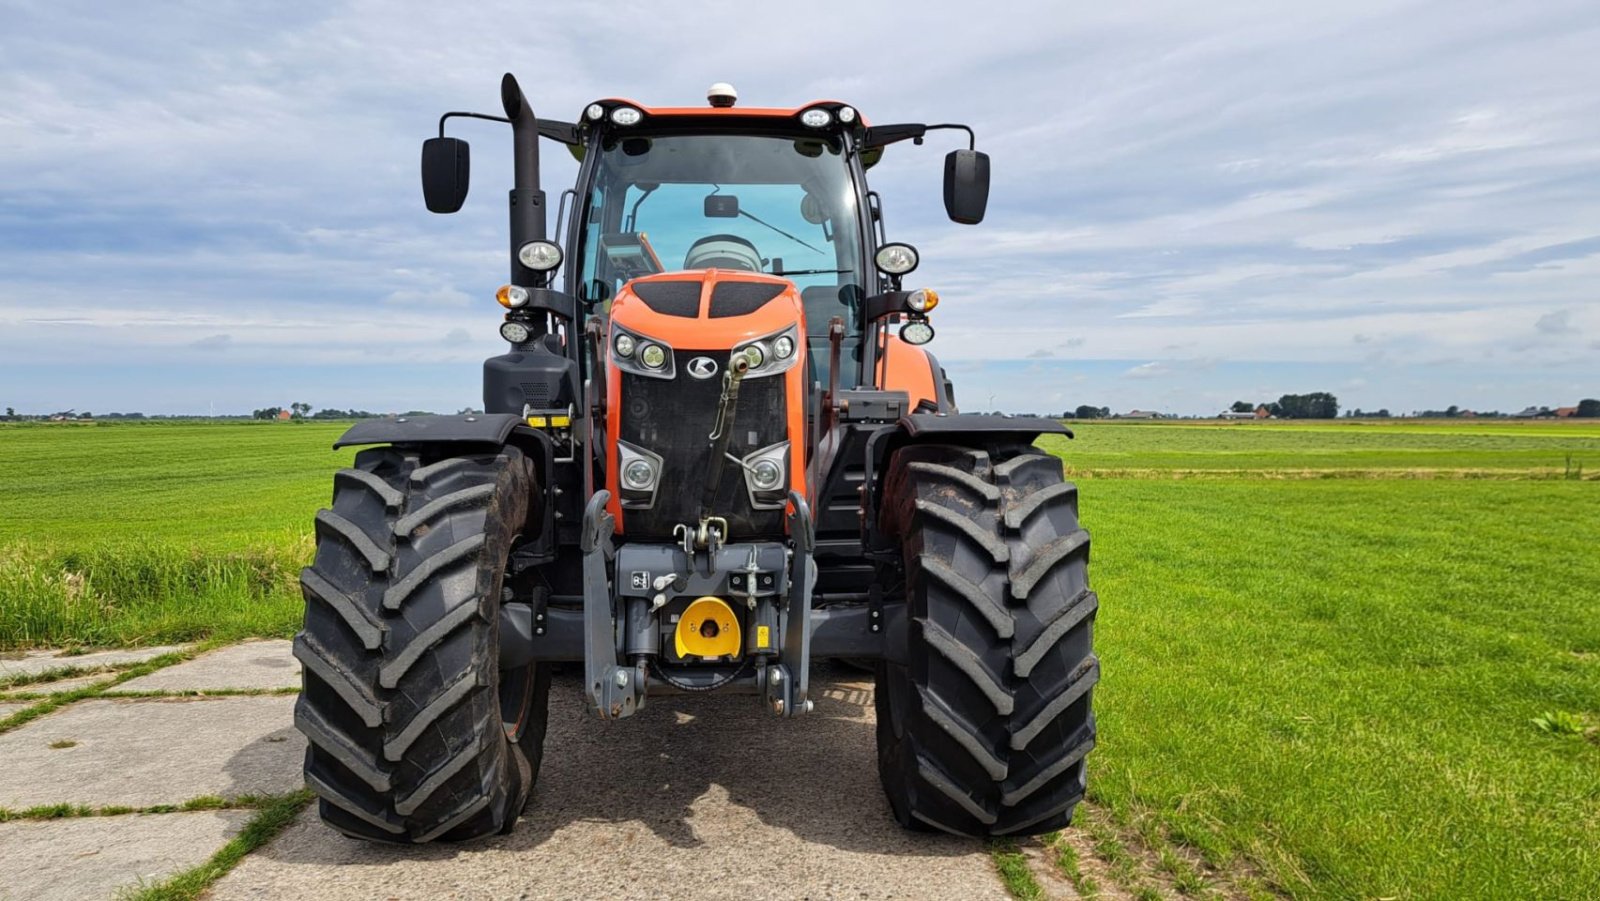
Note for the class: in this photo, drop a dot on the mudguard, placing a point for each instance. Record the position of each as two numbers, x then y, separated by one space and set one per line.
932 426
468 428
957 428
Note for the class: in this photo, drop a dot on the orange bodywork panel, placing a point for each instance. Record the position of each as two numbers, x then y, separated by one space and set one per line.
704 333
906 367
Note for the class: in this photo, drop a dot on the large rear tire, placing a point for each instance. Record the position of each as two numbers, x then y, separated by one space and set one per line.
983 728
415 733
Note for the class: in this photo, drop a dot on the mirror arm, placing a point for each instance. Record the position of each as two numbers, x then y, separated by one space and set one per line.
462 115
972 138
565 132
884 135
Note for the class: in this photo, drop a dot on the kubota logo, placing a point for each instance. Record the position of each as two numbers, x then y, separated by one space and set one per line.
702 367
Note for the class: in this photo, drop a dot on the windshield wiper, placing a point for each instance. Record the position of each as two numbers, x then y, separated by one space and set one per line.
779 231
814 272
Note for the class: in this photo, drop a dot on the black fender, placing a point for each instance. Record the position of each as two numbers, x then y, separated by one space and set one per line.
465 433
467 428
976 430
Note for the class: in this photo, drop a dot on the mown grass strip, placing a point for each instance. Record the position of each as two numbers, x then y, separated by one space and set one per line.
76 811
271 818
1012 865
19 680
1541 474
1065 858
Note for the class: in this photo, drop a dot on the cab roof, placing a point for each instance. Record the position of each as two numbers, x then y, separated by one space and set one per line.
728 112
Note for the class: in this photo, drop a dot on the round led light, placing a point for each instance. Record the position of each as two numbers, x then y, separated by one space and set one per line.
626 115
922 300
594 112
638 474
512 296
847 114
766 475
896 259
755 356
783 348
515 332
653 356
816 118
540 256
916 333
624 345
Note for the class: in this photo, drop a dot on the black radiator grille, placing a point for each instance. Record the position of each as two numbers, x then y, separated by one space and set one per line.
670 298
673 418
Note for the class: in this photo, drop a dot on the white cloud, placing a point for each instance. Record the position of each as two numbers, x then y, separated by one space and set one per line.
1364 183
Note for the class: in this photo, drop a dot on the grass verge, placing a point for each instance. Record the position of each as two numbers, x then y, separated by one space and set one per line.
270 819
136 592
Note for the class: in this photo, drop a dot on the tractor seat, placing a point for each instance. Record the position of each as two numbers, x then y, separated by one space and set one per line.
723 252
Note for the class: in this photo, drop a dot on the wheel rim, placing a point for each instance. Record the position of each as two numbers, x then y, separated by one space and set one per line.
516 700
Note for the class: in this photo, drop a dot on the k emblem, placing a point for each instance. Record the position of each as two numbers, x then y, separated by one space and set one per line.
702 367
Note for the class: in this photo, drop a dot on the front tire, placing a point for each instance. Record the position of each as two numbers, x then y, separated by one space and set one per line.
984 714
415 733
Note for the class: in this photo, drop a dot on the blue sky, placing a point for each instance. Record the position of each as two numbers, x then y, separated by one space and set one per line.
216 206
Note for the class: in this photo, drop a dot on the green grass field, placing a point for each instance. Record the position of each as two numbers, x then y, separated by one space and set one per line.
1327 648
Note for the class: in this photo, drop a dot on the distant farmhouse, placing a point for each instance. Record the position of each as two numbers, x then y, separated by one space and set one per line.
1137 414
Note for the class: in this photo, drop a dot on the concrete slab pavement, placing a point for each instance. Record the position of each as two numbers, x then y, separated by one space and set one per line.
694 797
142 752
250 665
93 857
32 663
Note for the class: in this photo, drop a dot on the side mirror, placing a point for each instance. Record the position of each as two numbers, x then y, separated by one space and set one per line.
446 163
722 206
966 185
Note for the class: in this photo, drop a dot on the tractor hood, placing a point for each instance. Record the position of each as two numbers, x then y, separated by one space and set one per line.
708 308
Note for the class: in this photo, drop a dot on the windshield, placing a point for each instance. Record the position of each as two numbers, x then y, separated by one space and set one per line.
775 205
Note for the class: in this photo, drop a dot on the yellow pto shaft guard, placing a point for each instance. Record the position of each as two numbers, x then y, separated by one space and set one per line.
708 629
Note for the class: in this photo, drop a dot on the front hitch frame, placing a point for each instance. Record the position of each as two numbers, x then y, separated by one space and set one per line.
789 681
614 691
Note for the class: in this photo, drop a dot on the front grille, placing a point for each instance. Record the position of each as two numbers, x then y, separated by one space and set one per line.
673 418
670 298
742 298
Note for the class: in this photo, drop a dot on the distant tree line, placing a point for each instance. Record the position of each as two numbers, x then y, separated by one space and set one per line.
1316 405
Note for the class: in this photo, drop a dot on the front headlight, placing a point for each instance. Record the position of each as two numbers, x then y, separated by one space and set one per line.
642 355
916 332
514 331
770 355
638 475
896 259
766 476
540 256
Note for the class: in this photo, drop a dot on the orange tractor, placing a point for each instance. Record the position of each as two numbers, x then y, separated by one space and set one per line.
715 449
